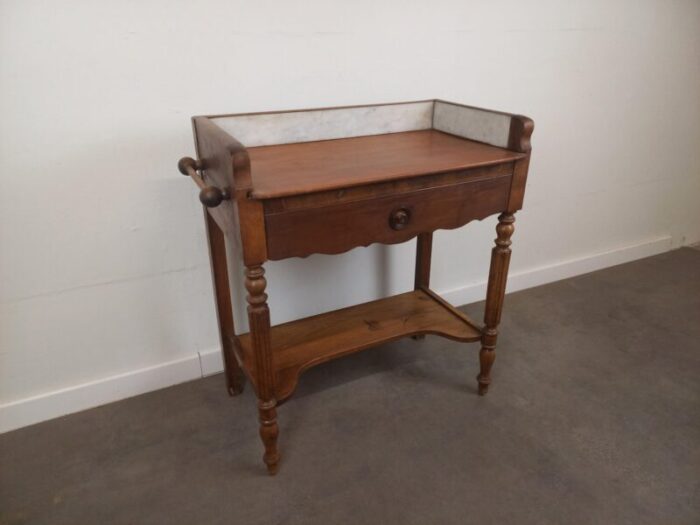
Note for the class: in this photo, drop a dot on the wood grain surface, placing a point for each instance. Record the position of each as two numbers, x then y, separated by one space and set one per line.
301 344
293 169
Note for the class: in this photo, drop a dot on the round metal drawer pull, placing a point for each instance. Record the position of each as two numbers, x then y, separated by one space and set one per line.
399 218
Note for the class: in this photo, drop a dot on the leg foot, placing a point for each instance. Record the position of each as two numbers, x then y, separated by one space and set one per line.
235 379
236 387
268 433
486 358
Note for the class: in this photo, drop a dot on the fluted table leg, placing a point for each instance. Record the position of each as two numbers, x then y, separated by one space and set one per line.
259 321
498 274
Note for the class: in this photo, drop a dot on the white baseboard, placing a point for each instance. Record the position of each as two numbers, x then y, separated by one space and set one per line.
95 393
211 361
88 395
521 280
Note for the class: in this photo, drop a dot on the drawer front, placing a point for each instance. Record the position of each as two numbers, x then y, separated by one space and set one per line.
387 219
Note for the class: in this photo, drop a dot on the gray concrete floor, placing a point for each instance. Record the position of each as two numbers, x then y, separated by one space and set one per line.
593 417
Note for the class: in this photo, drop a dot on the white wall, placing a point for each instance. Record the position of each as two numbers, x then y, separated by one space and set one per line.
104 278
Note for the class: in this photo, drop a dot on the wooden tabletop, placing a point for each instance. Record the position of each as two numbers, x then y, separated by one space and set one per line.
293 169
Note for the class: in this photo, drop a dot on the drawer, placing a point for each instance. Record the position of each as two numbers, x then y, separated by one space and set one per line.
389 218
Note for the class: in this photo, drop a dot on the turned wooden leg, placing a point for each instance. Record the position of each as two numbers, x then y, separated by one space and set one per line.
259 321
424 248
498 274
224 310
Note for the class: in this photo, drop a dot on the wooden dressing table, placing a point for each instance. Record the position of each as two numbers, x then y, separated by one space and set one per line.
289 184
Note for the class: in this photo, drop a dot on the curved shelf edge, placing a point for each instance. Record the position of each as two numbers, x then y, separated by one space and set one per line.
305 343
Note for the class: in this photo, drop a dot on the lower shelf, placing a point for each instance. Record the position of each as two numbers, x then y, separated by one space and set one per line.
299 345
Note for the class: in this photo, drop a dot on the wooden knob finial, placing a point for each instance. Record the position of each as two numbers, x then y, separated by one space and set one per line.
186 162
211 196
